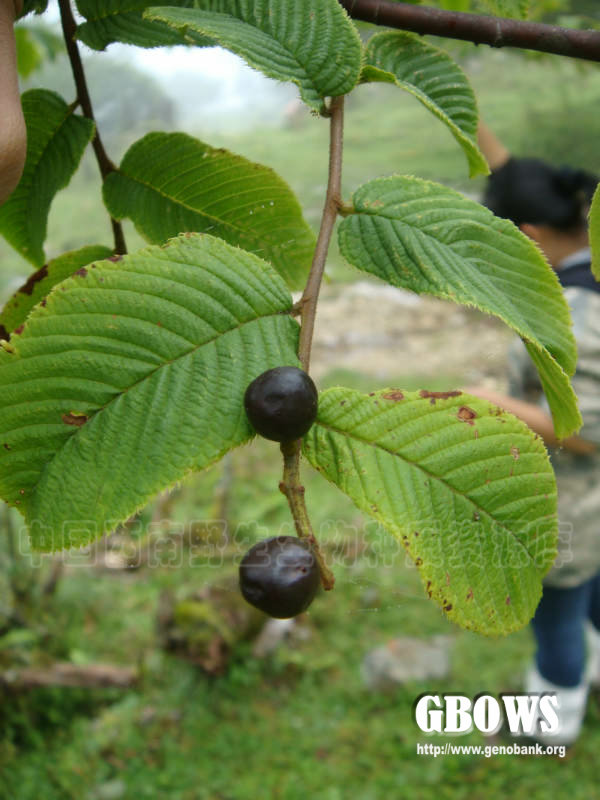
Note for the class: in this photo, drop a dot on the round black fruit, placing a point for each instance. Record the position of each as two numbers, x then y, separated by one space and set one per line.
281 403
280 576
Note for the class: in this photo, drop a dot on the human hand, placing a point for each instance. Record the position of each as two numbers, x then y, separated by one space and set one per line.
13 136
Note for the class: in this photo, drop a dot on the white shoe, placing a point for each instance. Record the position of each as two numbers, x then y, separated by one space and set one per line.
572 703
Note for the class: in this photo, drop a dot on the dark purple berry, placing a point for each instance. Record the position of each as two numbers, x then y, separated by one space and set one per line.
282 403
280 576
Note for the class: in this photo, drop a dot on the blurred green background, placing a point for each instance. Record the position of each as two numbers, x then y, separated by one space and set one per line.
298 722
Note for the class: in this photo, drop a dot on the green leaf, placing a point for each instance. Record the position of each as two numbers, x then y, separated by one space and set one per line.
430 75
456 5
47 38
508 8
131 375
41 282
310 42
35 43
427 238
595 233
29 56
171 182
56 139
122 21
467 488
29 6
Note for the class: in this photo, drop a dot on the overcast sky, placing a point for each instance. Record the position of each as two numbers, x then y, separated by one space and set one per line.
236 89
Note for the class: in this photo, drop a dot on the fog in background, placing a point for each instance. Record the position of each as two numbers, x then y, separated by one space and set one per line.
193 89
541 106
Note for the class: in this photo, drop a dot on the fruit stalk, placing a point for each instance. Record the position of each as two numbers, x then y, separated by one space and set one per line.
291 487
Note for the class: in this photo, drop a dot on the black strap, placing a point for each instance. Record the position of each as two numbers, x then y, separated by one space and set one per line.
578 275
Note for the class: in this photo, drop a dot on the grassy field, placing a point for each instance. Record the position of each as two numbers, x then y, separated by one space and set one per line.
299 723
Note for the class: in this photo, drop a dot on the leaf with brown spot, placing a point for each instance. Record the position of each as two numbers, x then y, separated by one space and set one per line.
432 240
438 395
415 466
29 285
466 414
74 419
395 395
41 283
103 410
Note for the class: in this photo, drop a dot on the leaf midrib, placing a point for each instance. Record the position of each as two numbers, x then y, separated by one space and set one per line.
242 232
148 376
429 101
533 284
437 291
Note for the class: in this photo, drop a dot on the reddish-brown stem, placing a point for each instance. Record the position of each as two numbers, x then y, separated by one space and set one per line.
494 31
310 296
294 492
106 166
307 308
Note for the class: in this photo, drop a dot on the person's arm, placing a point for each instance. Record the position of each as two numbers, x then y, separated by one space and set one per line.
535 418
492 148
13 136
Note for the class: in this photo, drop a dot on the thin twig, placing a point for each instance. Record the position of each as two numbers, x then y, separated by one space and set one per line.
307 307
87 676
50 584
20 584
10 535
310 296
294 492
494 31
106 166
222 494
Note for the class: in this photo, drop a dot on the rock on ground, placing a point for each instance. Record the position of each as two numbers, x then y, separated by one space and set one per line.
389 333
406 659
